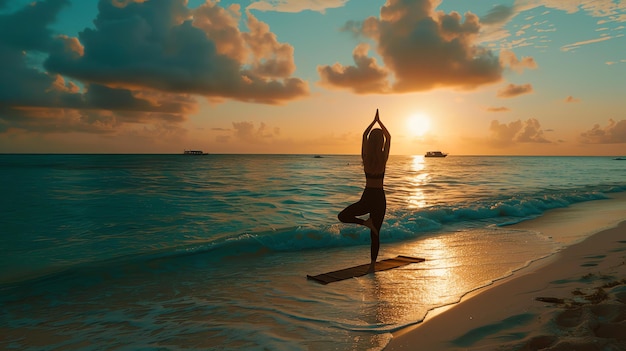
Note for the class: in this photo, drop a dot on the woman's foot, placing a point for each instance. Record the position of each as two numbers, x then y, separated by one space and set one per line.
372 268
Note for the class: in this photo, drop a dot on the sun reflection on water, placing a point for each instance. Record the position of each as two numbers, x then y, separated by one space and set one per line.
406 293
418 179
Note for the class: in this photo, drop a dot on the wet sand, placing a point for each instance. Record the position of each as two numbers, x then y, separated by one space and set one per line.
573 300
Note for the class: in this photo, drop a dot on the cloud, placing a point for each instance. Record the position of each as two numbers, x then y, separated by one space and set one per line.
499 14
100 110
421 49
296 5
508 58
519 131
576 45
167 52
38 101
571 99
27 29
498 109
143 62
365 77
495 20
613 133
246 131
595 8
513 90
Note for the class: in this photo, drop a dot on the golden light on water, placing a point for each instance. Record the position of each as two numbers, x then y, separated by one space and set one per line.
438 268
456 263
406 293
419 177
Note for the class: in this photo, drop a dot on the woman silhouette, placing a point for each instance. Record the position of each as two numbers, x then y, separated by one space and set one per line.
374 153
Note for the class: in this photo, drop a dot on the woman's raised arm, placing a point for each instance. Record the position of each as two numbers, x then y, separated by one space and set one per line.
386 133
365 134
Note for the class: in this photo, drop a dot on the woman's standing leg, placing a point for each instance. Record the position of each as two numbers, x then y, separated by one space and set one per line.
377 215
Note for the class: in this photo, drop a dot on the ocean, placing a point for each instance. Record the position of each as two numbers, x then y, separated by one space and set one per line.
179 252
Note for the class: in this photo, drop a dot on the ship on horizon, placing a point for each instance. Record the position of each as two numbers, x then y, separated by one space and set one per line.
194 152
435 154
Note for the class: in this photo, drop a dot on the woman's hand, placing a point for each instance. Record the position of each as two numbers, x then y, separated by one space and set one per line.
376 118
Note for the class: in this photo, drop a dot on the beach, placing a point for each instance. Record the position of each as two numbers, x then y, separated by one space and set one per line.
205 253
573 300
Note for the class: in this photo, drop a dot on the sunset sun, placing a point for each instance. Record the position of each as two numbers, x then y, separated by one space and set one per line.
418 124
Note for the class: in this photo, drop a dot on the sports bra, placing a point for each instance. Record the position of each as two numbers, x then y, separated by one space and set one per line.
374 176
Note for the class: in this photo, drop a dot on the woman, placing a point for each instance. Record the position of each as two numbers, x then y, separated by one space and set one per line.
374 153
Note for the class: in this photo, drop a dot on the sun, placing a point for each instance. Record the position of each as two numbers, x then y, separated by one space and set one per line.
418 124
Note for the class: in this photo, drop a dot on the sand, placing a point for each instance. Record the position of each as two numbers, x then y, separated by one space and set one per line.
573 300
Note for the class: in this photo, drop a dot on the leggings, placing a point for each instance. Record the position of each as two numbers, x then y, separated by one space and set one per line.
372 201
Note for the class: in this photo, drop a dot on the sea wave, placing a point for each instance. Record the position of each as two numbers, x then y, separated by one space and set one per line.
400 224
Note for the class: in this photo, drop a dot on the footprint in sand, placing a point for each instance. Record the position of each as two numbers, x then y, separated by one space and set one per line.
569 318
593 263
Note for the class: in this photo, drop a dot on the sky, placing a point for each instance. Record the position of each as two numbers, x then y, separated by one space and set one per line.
480 77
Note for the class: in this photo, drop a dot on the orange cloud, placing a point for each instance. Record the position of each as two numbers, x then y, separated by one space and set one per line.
576 45
421 49
513 90
613 133
365 77
498 109
508 58
570 99
296 5
246 131
519 131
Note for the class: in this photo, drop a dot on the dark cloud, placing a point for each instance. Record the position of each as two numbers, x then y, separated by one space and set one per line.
22 32
143 62
27 29
421 49
156 45
519 131
613 133
513 90
98 110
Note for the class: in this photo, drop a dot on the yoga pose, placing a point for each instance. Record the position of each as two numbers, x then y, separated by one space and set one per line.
374 153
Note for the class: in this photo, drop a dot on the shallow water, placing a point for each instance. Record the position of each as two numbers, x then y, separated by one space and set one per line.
178 252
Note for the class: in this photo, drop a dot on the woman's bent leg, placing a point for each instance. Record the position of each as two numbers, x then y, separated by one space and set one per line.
350 213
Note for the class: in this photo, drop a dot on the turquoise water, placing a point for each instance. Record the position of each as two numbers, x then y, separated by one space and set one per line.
211 252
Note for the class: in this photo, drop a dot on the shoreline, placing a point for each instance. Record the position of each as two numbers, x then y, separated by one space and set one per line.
507 313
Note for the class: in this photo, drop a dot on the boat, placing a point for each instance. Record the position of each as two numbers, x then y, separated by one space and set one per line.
194 152
620 158
435 154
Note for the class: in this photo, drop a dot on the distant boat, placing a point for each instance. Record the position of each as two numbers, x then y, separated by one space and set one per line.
620 158
435 154
194 152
